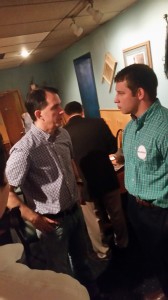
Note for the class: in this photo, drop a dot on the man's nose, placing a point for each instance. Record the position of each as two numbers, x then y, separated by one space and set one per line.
116 99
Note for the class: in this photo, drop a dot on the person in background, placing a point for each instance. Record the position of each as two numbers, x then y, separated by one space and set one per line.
4 188
5 234
145 147
93 141
41 165
27 121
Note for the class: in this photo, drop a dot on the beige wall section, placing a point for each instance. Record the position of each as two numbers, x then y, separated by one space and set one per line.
116 120
20 106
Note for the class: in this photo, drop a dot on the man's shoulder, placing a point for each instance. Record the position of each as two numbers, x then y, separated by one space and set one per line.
25 143
63 133
86 124
159 112
161 122
73 121
159 117
132 121
164 112
94 121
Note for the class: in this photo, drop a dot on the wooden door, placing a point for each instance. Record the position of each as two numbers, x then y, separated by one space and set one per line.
11 108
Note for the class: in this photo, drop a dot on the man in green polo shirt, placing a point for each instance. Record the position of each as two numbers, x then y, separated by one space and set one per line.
145 147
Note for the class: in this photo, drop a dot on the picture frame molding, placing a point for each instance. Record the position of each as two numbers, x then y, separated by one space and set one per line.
138 49
109 69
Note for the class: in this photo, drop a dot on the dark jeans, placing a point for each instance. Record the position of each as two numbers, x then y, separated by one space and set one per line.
68 240
150 225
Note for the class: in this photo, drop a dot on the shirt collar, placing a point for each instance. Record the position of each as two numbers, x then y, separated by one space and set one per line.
147 114
75 115
42 135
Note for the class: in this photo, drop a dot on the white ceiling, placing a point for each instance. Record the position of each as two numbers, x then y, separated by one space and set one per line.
43 26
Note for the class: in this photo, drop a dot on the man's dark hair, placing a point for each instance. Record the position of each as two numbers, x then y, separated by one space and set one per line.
50 89
139 76
36 99
73 107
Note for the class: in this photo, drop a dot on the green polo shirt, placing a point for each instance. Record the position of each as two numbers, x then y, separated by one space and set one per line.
145 147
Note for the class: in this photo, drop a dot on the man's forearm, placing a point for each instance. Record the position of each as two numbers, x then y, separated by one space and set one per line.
40 222
14 200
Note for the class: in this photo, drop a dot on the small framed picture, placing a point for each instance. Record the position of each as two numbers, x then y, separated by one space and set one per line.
109 69
138 54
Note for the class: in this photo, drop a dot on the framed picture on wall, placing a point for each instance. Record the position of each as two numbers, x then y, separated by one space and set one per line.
109 69
138 54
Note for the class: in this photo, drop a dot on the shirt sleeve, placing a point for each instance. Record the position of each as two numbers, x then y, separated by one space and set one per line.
163 146
17 166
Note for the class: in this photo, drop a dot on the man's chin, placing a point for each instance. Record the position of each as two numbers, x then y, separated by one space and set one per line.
124 111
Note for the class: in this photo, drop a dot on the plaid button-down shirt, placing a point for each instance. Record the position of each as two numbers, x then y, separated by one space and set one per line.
145 146
41 165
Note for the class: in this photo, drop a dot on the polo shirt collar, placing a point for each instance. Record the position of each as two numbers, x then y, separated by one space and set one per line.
150 111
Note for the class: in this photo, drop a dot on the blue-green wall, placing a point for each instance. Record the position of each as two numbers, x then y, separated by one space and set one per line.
20 78
142 22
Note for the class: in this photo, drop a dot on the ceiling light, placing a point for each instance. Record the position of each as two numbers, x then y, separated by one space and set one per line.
25 53
77 30
96 14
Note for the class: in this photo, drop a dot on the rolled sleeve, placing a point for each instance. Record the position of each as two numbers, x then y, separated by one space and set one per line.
17 167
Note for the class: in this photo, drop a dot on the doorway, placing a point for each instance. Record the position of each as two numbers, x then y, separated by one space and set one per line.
11 108
87 87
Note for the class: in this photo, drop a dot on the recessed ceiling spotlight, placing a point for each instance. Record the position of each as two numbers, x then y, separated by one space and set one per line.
25 53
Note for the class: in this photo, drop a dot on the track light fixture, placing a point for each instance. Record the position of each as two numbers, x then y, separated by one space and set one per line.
96 14
77 30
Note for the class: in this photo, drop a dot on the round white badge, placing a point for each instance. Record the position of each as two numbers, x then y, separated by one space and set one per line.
141 152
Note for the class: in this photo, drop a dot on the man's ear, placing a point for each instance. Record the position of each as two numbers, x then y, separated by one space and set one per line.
65 117
37 114
140 93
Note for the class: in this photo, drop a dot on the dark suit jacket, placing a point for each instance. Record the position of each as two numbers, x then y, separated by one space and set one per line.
92 142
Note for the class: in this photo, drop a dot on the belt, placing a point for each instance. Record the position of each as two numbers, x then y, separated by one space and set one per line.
144 202
63 213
